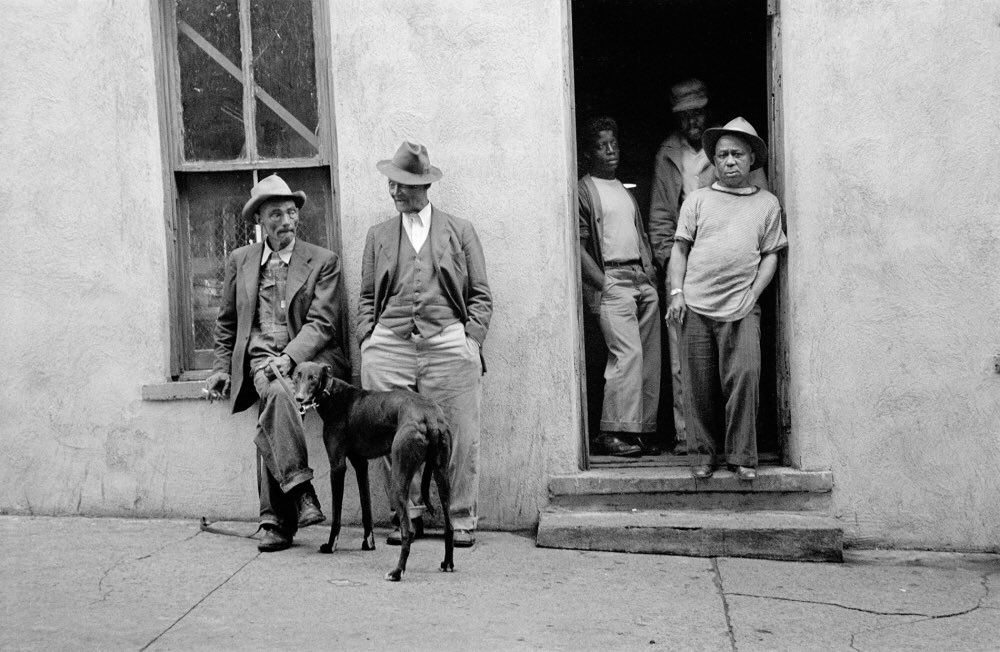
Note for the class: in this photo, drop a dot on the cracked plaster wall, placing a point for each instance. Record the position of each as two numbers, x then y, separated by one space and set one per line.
892 202
86 314
893 227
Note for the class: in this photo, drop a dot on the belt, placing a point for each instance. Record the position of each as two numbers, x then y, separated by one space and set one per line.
627 263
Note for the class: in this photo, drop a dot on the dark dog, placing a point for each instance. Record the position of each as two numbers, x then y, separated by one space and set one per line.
359 425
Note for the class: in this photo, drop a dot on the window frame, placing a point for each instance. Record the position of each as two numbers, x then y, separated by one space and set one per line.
168 83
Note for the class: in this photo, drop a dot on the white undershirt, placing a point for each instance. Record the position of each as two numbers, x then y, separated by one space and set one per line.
417 226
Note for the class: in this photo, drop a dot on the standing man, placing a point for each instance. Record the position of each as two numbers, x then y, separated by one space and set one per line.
619 285
725 253
423 315
283 304
681 167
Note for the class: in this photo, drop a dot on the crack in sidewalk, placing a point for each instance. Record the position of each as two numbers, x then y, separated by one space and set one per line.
983 580
717 580
122 560
203 598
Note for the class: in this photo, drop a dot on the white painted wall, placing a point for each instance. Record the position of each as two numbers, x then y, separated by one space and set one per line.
893 202
892 196
84 281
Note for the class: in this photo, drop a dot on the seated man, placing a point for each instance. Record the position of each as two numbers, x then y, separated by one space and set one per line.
619 285
282 304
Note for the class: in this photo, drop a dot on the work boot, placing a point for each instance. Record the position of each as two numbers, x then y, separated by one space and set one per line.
308 506
274 540
609 444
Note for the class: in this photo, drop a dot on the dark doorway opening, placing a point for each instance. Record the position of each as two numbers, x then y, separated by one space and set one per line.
626 56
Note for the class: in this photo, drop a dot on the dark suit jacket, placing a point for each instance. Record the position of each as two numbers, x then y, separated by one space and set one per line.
315 298
458 260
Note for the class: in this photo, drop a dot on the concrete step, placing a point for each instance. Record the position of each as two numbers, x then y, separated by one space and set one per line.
696 533
776 488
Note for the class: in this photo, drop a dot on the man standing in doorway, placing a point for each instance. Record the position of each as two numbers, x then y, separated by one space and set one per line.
282 304
619 285
680 168
423 315
725 253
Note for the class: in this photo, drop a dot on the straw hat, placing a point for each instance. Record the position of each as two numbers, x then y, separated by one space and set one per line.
736 127
272 187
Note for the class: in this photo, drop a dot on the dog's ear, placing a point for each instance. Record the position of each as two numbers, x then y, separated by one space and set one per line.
327 372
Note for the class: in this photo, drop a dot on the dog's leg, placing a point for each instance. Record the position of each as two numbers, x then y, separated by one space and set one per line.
400 485
439 458
360 465
337 488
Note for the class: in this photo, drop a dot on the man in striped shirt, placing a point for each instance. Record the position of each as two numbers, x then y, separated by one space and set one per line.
725 253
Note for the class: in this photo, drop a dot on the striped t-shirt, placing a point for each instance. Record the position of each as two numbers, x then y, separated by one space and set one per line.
729 233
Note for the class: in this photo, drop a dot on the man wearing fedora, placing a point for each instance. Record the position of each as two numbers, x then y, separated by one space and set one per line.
423 315
282 304
681 167
725 253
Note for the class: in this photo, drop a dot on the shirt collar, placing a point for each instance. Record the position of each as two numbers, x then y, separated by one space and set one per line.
423 217
285 254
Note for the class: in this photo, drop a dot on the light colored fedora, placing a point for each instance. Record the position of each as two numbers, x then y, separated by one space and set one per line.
687 95
272 187
411 166
736 127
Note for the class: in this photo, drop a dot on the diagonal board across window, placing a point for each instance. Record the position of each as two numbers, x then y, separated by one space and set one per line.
242 99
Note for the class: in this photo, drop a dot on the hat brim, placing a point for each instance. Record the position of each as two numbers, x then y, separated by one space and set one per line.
399 175
250 208
690 105
757 144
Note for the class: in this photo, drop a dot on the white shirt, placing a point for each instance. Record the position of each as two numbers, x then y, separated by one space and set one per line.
417 226
620 242
692 163
285 254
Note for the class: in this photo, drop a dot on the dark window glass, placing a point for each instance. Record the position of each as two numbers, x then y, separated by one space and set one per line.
284 69
208 51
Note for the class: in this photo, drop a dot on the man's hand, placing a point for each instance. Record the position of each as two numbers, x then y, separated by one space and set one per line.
677 309
217 385
284 364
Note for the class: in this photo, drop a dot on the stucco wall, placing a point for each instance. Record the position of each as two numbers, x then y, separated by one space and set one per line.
893 203
85 321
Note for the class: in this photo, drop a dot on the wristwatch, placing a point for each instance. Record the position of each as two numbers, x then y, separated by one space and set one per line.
676 291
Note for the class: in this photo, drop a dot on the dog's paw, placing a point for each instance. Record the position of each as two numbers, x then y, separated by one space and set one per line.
368 543
327 549
447 567
394 575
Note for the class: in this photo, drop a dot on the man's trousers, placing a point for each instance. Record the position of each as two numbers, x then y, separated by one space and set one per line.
447 368
721 387
282 458
630 321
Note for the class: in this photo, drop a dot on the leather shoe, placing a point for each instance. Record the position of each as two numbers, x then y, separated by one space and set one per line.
464 538
309 511
274 540
395 537
647 446
608 444
702 472
746 473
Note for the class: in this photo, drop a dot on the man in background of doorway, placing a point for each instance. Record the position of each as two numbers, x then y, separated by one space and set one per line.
681 167
619 284
725 253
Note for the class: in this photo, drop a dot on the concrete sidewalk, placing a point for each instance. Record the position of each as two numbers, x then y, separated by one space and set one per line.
110 584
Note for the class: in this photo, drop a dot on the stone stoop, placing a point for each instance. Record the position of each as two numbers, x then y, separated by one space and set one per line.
781 515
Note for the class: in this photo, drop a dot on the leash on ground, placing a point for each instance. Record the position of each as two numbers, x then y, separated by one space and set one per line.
207 526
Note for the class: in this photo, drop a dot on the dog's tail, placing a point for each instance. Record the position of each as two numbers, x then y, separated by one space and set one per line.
425 486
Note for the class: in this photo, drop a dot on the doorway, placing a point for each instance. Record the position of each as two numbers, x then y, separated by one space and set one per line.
626 56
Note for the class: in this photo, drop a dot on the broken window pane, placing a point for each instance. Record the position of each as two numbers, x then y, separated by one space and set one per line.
284 68
208 51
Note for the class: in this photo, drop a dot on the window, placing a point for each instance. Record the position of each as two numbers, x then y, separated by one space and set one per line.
242 97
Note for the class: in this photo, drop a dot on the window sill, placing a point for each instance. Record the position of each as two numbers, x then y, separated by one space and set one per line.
182 390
